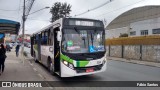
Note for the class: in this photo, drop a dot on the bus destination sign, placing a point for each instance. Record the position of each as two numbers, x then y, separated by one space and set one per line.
84 23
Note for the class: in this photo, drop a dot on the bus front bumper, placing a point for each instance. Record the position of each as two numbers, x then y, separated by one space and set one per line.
68 72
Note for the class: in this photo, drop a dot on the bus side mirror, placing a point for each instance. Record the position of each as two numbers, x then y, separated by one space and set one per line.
59 36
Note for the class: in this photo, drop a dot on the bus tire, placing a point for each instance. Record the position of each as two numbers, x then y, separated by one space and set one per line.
35 60
50 66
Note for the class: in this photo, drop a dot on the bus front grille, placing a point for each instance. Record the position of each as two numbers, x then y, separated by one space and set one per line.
83 69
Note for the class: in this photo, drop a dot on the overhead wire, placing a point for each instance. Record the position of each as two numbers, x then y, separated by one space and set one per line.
37 19
28 8
19 8
8 10
89 10
119 8
8 16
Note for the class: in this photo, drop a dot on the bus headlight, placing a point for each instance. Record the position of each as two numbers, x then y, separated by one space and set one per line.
68 64
65 62
71 66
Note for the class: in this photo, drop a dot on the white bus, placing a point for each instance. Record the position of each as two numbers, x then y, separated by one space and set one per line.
71 47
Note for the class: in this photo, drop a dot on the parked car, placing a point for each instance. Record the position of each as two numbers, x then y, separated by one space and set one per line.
25 44
11 45
8 48
29 45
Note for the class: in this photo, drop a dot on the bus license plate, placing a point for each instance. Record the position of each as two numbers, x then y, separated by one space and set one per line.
89 70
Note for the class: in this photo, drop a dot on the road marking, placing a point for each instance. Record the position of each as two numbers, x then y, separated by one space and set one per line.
31 64
51 88
40 76
35 69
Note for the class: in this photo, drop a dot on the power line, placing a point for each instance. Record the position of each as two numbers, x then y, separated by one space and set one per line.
94 8
28 7
8 10
37 19
120 8
8 16
19 5
19 9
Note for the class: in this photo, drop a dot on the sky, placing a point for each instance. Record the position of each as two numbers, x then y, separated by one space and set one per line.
12 10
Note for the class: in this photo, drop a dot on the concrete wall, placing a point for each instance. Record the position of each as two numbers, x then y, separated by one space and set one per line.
107 49
132 52
136 52
151 53
116 51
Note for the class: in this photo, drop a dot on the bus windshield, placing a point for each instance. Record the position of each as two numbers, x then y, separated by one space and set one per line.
83 41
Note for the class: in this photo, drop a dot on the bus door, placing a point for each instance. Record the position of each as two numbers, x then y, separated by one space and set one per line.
56 51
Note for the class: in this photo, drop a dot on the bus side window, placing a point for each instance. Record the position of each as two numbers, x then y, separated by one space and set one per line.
42 38
45 37
50 37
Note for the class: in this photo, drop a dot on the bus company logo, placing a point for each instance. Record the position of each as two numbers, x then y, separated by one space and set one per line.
6 84
89 58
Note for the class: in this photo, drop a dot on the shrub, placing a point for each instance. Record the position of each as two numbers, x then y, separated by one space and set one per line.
124 35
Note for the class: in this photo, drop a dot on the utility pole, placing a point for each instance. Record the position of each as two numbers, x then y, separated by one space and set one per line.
23 29
24 17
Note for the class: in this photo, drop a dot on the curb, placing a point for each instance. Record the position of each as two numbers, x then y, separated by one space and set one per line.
147 63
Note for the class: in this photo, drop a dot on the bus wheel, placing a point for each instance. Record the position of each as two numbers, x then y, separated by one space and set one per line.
50 66
35 58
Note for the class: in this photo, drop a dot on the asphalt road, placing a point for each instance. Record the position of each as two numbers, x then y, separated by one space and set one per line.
116 71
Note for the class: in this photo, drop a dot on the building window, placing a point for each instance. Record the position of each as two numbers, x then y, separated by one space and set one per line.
144 32
132 33
156 31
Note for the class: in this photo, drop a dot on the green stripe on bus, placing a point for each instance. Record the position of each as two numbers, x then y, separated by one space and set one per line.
64 57
78 63
82 63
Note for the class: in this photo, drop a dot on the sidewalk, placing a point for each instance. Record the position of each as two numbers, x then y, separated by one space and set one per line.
17 70
135 61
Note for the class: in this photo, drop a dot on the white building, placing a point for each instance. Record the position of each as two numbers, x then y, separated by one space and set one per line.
136 22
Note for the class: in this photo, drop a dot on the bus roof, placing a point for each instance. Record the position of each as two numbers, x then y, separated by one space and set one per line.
49 26
60 21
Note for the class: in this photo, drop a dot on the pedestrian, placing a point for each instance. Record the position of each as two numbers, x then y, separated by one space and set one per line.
17 49
8 47
2 58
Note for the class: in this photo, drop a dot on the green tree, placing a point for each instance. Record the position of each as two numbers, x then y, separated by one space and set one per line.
60 10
